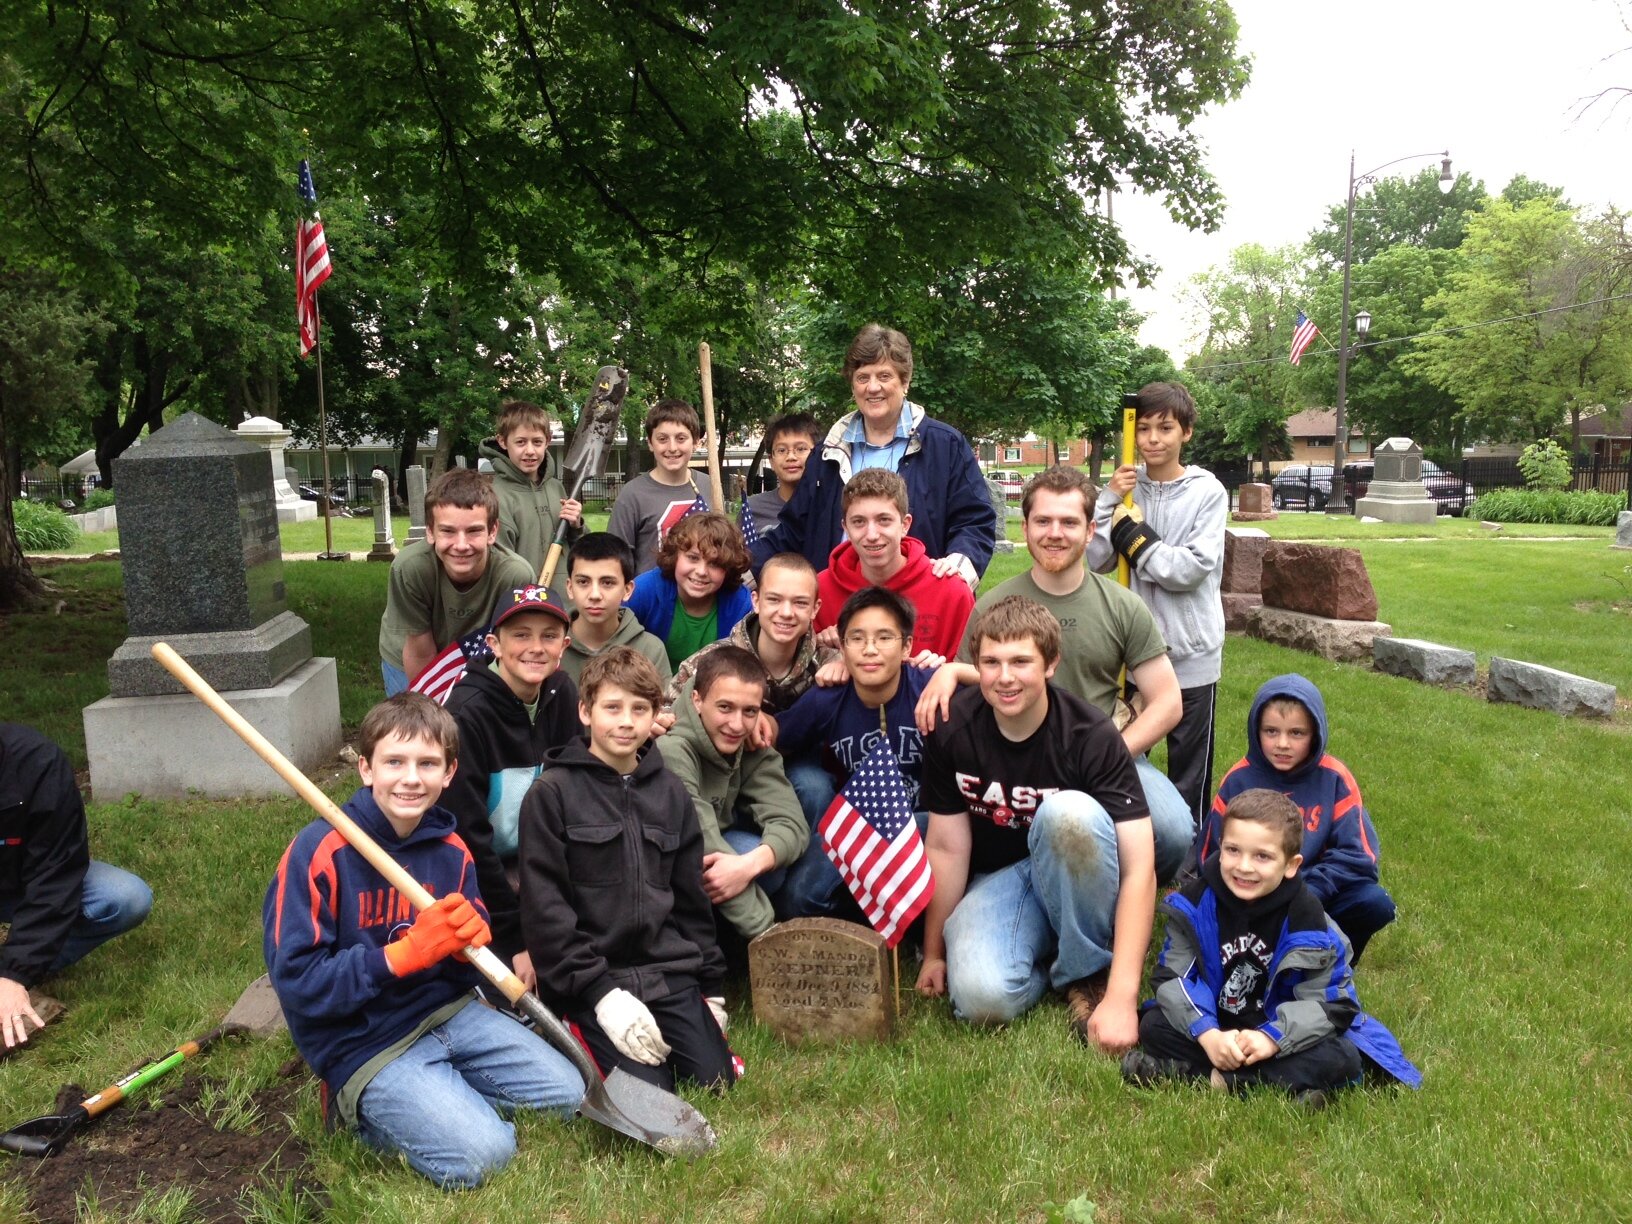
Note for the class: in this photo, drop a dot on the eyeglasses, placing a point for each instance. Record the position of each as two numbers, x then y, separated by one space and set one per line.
791 452
883 639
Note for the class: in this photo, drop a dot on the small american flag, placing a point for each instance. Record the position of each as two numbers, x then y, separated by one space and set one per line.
750 528
311 263
443 672
1303 336
870 835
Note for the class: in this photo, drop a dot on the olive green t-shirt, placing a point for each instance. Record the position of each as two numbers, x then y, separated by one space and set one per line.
689 634
419 598
1103 627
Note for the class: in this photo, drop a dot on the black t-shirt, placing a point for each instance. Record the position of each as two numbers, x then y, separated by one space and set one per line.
970 766
1248 932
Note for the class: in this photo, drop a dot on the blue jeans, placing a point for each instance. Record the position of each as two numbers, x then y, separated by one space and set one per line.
813 888
439 1101
1167 810
1050 918
113 901
396 680
1361 910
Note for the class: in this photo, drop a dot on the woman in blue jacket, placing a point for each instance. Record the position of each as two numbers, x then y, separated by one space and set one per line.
951 511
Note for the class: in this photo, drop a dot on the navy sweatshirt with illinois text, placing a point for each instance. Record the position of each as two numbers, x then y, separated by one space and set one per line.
328 916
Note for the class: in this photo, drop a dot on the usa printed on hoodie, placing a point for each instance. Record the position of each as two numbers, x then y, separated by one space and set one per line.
326 920
1339 842
943 604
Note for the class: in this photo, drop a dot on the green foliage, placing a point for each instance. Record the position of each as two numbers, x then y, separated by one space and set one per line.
1589 509
1080 1210
1545 465
99 499
1399 211
42 527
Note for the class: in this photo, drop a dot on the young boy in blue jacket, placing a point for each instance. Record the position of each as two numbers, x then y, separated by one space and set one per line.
1286 752
379 1003
1253 985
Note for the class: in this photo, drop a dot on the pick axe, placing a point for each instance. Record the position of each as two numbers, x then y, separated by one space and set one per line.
591 445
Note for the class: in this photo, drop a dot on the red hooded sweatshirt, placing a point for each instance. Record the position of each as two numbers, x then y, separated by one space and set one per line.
943 604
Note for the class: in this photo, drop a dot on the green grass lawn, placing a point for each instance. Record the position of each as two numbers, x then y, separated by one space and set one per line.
1505 838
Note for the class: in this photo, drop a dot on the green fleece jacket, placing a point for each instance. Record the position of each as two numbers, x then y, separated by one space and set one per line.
528 512
628 633
751 783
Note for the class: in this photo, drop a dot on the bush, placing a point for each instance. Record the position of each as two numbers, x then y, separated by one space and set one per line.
1548 506
43 528
1546 467
99 499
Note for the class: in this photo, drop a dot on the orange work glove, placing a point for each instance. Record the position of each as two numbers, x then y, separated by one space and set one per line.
448 926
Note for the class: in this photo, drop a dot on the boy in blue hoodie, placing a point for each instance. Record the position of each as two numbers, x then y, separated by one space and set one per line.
379 1002
1253 985
1286 752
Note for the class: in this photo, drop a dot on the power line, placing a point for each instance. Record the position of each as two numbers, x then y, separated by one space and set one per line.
1438 331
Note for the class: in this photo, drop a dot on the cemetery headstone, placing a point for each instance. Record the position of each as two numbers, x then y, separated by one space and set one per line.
385 547
1253 504
1000 507
203 571
273 437
821 980
1317 599
416 504
1396 493
1623 530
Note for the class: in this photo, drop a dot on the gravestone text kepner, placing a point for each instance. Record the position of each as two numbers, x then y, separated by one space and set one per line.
385 547
198 538
820 979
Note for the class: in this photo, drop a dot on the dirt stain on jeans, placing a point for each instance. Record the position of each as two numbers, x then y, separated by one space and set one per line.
1075 845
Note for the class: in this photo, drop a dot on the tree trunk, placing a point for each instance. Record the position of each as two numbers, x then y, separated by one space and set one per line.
19 588
1096 458
1263 451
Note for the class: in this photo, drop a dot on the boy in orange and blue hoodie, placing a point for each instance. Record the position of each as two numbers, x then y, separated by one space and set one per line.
1286 752
379 1003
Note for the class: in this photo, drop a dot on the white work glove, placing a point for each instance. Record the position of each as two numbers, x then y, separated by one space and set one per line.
716 1004
628 1022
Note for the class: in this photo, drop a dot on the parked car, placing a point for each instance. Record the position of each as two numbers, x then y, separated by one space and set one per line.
1013 482
1302 484
1450 493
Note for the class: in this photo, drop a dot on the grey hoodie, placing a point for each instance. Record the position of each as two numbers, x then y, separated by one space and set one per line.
1178 578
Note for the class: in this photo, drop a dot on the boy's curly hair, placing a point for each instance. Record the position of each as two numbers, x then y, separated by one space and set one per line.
711 534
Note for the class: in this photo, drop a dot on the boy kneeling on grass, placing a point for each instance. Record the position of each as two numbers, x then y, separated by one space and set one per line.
378 1000
612 902
1253 985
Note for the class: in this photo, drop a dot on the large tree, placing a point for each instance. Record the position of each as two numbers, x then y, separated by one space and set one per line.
1531 337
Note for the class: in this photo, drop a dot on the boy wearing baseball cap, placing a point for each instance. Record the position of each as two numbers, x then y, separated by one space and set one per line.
509 713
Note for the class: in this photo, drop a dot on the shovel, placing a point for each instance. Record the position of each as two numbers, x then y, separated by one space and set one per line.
591 443
621 1102
49 1135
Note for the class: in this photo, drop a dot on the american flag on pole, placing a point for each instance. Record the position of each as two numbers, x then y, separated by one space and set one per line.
1303 336
443 672
750 528
870 835
311 262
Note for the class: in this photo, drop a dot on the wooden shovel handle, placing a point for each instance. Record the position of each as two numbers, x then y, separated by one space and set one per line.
705 371
490 965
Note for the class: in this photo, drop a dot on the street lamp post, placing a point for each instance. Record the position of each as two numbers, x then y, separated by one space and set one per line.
1338 502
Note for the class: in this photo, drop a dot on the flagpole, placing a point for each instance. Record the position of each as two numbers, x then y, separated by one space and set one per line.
328 553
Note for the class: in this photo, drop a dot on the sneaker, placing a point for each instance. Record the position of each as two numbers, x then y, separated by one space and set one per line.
1145 1070
1081 998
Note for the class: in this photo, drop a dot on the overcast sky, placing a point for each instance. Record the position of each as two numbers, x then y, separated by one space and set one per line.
1498 86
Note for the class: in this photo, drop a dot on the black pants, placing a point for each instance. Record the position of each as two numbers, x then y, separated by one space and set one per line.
1190 751
1325 1065
699 1051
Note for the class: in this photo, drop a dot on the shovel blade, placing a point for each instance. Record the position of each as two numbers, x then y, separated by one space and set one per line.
648 1113
42 1136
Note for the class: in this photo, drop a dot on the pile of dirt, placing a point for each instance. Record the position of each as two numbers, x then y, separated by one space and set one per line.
140 1151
